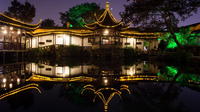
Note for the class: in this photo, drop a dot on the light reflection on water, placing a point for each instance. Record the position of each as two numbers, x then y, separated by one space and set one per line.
142 87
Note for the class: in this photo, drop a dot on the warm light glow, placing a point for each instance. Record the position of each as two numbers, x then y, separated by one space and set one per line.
18 81
18 32
11 28
10 85
105 81
4 85
4 80
2 28
106 32
131 72
5 32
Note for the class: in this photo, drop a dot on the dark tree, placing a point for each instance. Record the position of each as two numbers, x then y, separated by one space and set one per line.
47 23
24 12
159 14
80 15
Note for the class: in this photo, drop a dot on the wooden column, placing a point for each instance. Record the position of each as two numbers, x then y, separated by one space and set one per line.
82 41
38 41
70 39
25 42
82 69
53 39
31 42
20 42
70 71
99 41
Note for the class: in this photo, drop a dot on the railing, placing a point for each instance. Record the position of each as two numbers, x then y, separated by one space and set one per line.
110 46
11 46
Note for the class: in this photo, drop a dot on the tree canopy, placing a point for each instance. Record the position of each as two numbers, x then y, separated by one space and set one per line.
80 15
47 23
24 12
184 37
159 15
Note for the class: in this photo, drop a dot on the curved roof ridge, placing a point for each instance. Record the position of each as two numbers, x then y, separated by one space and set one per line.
106 20
4 19
13 19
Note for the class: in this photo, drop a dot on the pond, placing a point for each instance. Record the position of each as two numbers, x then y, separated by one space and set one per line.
140 86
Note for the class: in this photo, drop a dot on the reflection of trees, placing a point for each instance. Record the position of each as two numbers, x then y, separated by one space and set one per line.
47 85
72 92
25 100
154 97
158 96
173 74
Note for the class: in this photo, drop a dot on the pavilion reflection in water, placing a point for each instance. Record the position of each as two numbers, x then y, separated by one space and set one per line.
103 82
67 71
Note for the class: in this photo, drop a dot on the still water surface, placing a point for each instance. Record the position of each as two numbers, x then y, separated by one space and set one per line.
88 87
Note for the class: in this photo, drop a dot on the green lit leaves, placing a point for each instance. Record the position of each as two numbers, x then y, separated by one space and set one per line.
171 73
80 15
184 37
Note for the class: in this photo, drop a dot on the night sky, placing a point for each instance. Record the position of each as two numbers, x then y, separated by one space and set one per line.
51 8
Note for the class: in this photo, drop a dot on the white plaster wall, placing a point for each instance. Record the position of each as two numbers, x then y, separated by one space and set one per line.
76 41
62 71
139 68
28 67
132 42
66 71
60 39
128 70
30 43
140 46
34 42
33 67
23 39
86 43
66 39
44 39
76 70
154 44
44 70
86 68
123 43
27 43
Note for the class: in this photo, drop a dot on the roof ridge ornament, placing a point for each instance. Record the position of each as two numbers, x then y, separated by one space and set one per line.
107 5
106 20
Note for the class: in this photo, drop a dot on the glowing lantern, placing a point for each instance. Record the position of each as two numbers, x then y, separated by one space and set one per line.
106 32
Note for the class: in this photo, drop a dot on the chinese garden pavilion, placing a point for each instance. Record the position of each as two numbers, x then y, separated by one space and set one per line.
105 32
